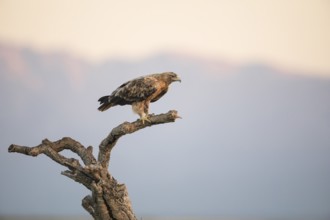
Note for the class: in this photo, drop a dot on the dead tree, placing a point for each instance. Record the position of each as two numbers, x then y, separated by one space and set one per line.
109 199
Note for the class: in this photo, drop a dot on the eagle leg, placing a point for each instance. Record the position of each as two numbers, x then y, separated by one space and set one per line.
142 109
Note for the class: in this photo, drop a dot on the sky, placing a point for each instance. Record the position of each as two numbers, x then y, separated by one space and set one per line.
263 149
291 34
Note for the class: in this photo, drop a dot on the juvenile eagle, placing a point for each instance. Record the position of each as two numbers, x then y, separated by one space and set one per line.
139 93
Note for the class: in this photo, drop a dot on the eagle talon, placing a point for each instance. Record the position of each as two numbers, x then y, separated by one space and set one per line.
145 118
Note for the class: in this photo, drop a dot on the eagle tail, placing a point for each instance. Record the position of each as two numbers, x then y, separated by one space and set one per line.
105 103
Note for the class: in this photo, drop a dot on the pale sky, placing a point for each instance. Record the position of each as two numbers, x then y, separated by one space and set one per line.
290 34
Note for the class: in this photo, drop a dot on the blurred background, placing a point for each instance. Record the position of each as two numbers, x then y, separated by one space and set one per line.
254 141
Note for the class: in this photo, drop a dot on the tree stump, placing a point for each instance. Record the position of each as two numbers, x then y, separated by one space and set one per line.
109 199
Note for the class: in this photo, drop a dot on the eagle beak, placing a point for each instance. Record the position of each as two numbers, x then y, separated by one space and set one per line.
177 79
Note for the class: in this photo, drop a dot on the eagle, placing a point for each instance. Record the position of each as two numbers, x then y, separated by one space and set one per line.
139 92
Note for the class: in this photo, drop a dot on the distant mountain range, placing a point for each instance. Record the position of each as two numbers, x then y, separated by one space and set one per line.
254 140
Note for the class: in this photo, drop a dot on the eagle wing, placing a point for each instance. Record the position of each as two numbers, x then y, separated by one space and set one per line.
135 90
163 92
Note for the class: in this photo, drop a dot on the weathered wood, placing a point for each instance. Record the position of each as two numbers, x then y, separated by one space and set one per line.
109 199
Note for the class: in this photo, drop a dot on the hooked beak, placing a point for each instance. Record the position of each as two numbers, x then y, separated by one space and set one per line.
177 79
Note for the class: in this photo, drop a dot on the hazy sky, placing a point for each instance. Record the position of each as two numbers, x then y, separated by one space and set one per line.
291 34
256 144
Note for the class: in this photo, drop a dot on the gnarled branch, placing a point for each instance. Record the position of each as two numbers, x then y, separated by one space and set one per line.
52 149
109 199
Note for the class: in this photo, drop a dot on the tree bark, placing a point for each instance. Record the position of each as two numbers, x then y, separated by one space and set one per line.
109 199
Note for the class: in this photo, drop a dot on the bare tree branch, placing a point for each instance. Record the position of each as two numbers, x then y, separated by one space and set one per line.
47 147
51 150
127 128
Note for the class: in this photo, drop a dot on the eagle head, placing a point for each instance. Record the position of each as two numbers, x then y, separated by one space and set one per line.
171 77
